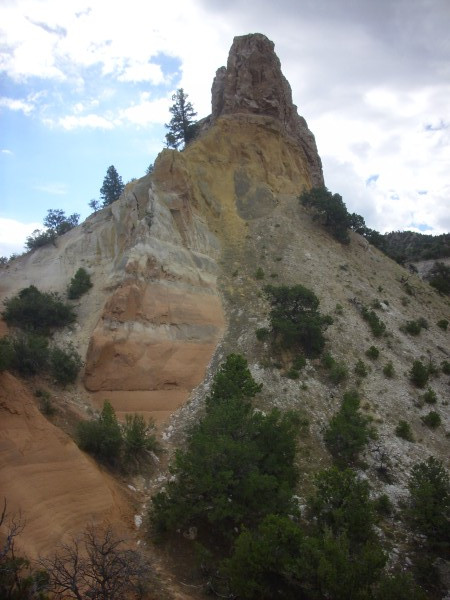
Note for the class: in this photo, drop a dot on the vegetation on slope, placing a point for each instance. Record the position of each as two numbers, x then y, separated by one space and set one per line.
409 246
237 477
35 315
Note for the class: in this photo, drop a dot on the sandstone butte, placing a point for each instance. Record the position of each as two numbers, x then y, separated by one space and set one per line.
173 263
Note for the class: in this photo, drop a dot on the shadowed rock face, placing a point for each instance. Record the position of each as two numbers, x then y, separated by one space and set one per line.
253 83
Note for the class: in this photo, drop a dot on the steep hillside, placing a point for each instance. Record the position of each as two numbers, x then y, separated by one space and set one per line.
174 264
46 478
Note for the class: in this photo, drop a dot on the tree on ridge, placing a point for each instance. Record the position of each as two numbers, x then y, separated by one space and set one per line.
182 125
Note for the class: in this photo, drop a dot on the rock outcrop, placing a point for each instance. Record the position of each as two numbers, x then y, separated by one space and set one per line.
252 83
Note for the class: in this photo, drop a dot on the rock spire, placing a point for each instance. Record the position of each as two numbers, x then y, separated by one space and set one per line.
252 82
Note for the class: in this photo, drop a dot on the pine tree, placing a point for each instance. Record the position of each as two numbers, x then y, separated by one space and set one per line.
182 125
112 186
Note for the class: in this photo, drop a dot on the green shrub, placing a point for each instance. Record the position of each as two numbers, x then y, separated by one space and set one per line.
30 354
45 405
293 373
445 366
338 372
299 362
361 369
262 334
339 309
233 380
376 304
40 238
65 364
36 311
430 396
295 318
419 374
139 437
383 506
414 327
376 325
6 353
373 352
327 360
79 284
440 277
403 430
388 370
101 437
330 209
432 368
348 431
429 501
259 273
432 419
443 324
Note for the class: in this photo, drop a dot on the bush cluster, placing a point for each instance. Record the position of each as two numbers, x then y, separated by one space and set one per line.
262 334
419 374
389 370
57 223
403 430
337 370
128 445
348 431
443 324
79 284
429 502
376 325
295 319
330 209
361 369
28 351
432 419
430 396
414 327
373 352
36 311
65 364
30 354
440 278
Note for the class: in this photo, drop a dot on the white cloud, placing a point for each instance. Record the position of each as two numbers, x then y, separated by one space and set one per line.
90 121
147 112
142 71
17 105
55 189
12 235
6 151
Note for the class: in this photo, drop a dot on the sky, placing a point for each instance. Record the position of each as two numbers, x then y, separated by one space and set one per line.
85 84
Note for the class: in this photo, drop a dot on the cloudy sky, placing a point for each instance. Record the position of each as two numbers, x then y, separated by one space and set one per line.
87 83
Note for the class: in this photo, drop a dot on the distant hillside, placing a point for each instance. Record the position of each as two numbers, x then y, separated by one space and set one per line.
410 246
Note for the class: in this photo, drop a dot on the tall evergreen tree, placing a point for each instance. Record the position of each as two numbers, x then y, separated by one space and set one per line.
182 125
112 186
